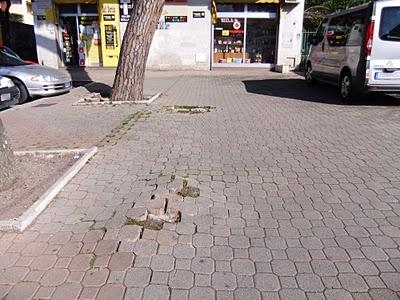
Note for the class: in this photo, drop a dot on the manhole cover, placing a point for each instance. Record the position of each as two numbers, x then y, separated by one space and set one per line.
45 105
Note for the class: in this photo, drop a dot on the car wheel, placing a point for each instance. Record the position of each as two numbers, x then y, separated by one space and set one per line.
308 75
346 87
23 93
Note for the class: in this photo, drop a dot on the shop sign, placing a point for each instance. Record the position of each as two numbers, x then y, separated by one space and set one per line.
227 20
109 17
199 14
175 19
225 32
125 10
237 25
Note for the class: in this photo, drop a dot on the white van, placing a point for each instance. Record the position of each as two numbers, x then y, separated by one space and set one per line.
358 49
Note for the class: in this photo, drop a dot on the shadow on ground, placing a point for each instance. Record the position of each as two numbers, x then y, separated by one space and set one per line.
297 89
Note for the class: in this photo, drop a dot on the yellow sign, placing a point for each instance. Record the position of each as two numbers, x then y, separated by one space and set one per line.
225 32
110 32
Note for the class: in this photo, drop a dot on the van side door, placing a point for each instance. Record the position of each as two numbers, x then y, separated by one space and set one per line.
317 54
385 53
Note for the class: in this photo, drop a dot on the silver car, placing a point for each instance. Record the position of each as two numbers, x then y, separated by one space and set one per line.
358 49
33 80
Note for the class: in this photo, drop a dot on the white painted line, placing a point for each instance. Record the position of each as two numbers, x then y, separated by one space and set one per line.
21 223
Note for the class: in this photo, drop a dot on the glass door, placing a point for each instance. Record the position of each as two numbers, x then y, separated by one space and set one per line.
261 41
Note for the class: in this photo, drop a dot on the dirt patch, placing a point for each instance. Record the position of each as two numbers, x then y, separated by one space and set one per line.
35 176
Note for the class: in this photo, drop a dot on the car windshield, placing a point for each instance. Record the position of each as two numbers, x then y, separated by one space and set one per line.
390 24
7 60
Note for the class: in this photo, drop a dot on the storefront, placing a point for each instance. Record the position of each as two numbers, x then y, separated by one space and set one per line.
191 34
245 34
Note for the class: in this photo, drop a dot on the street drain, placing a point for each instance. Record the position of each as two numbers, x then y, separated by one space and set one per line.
189 109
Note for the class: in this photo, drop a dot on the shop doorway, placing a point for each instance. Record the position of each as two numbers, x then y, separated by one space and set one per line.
80 38
245 35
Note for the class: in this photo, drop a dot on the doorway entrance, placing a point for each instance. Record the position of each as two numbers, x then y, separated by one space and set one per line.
80 38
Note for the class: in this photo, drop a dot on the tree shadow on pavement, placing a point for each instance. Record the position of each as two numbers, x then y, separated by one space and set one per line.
98 87
297 89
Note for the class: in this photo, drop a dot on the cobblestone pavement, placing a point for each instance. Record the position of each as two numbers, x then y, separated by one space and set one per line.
53 123
299 199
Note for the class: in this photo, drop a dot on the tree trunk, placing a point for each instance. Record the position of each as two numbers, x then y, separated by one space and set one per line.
129 79
7 164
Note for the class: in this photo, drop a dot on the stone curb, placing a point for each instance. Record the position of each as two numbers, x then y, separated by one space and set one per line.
148 102
22 222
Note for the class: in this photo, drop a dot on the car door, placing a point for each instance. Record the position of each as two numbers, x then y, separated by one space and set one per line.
317 55
385 53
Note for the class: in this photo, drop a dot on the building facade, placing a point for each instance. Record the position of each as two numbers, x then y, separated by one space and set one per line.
191 34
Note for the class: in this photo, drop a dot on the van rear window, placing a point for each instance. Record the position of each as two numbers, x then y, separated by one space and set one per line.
390 24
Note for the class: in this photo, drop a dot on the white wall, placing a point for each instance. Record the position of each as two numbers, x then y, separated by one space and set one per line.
182 45
290 32
45 34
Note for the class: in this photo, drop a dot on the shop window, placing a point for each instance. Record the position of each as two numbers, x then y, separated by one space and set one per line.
89 8
229 40
230 7
68 9
257 7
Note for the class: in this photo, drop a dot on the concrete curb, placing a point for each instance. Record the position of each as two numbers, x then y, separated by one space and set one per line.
148 102
111 103
22 222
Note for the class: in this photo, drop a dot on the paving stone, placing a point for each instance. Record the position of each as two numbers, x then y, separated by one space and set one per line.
81 262
67 291
353 282
44 292
157 292
162 263
95 277
266 282
243 267
334 294
202 293
23 290
111 291
223 281
121 261
202 265
54 277
294 294
310 282
133 293
181 279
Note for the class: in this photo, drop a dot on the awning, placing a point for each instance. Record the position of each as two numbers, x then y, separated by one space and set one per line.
247 1
75 1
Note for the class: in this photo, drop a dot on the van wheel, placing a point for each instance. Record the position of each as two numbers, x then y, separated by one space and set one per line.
346 87
23 93
308 75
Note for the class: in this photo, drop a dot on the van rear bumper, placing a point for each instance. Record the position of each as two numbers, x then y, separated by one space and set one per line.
383 88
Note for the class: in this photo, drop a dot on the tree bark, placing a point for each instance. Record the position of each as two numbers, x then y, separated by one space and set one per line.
7 163
129 79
